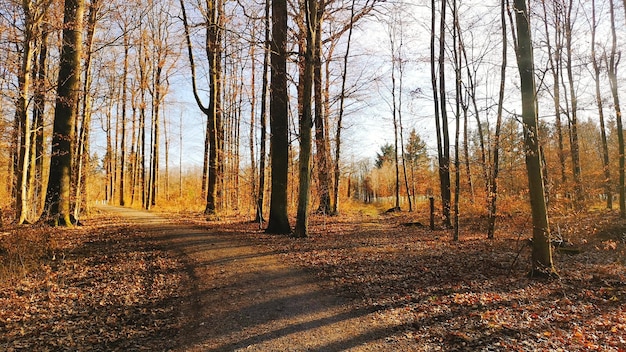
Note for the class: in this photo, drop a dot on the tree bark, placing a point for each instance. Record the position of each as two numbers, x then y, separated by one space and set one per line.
22 116
306 118
441 116
83 149
321 137
542 264
279 121
122 179
39 104
492 189
58 192
605 146
575 146
214 130
456 50
263 143
612 63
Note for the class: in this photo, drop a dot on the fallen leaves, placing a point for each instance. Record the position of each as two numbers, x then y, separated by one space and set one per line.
472 294
113 291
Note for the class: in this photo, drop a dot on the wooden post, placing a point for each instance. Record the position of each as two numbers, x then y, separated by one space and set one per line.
432 212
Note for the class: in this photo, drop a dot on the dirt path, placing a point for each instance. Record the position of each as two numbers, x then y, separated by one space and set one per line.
242 297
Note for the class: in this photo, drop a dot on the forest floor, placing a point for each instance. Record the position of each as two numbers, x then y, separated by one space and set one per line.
132 281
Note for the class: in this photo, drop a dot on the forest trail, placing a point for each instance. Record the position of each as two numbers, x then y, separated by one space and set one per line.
243 297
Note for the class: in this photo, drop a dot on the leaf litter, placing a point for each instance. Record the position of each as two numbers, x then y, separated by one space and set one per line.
111 288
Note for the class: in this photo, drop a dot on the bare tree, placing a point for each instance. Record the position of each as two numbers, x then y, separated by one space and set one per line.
573 117
612 62
33 12
322 155
542 264
441 116
342 97
57 205
596 76
306 118
83 147
492 188
263 115
279 121
214 23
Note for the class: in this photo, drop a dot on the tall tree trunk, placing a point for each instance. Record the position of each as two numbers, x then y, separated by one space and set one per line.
342 98
471 92
22 115
441 116
279 121
306 118
155 140
252 139
605 146
263 143
214 132
39 103
85 127
542 264
394 112
321 136
492 194
456 50
612 63
216 137
122 180
59 183
575 147
134 147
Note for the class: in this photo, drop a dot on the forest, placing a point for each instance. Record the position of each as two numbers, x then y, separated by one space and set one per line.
475 123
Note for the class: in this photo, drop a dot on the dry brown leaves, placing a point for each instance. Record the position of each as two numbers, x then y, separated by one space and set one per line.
105 288
474 294
110 288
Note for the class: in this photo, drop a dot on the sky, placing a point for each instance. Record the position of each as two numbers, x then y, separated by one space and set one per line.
368 123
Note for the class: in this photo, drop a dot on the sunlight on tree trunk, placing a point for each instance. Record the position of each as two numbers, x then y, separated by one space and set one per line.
279 122
306 118
58 193
541 248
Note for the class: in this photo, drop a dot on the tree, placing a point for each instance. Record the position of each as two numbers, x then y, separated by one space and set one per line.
573 118
492 188
395 105
262 152
83 147
342 98
34 13
57 205
456 52
322 155
542 264
596 77
441 119
214 22
612 63
306 118
279 121
386 155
